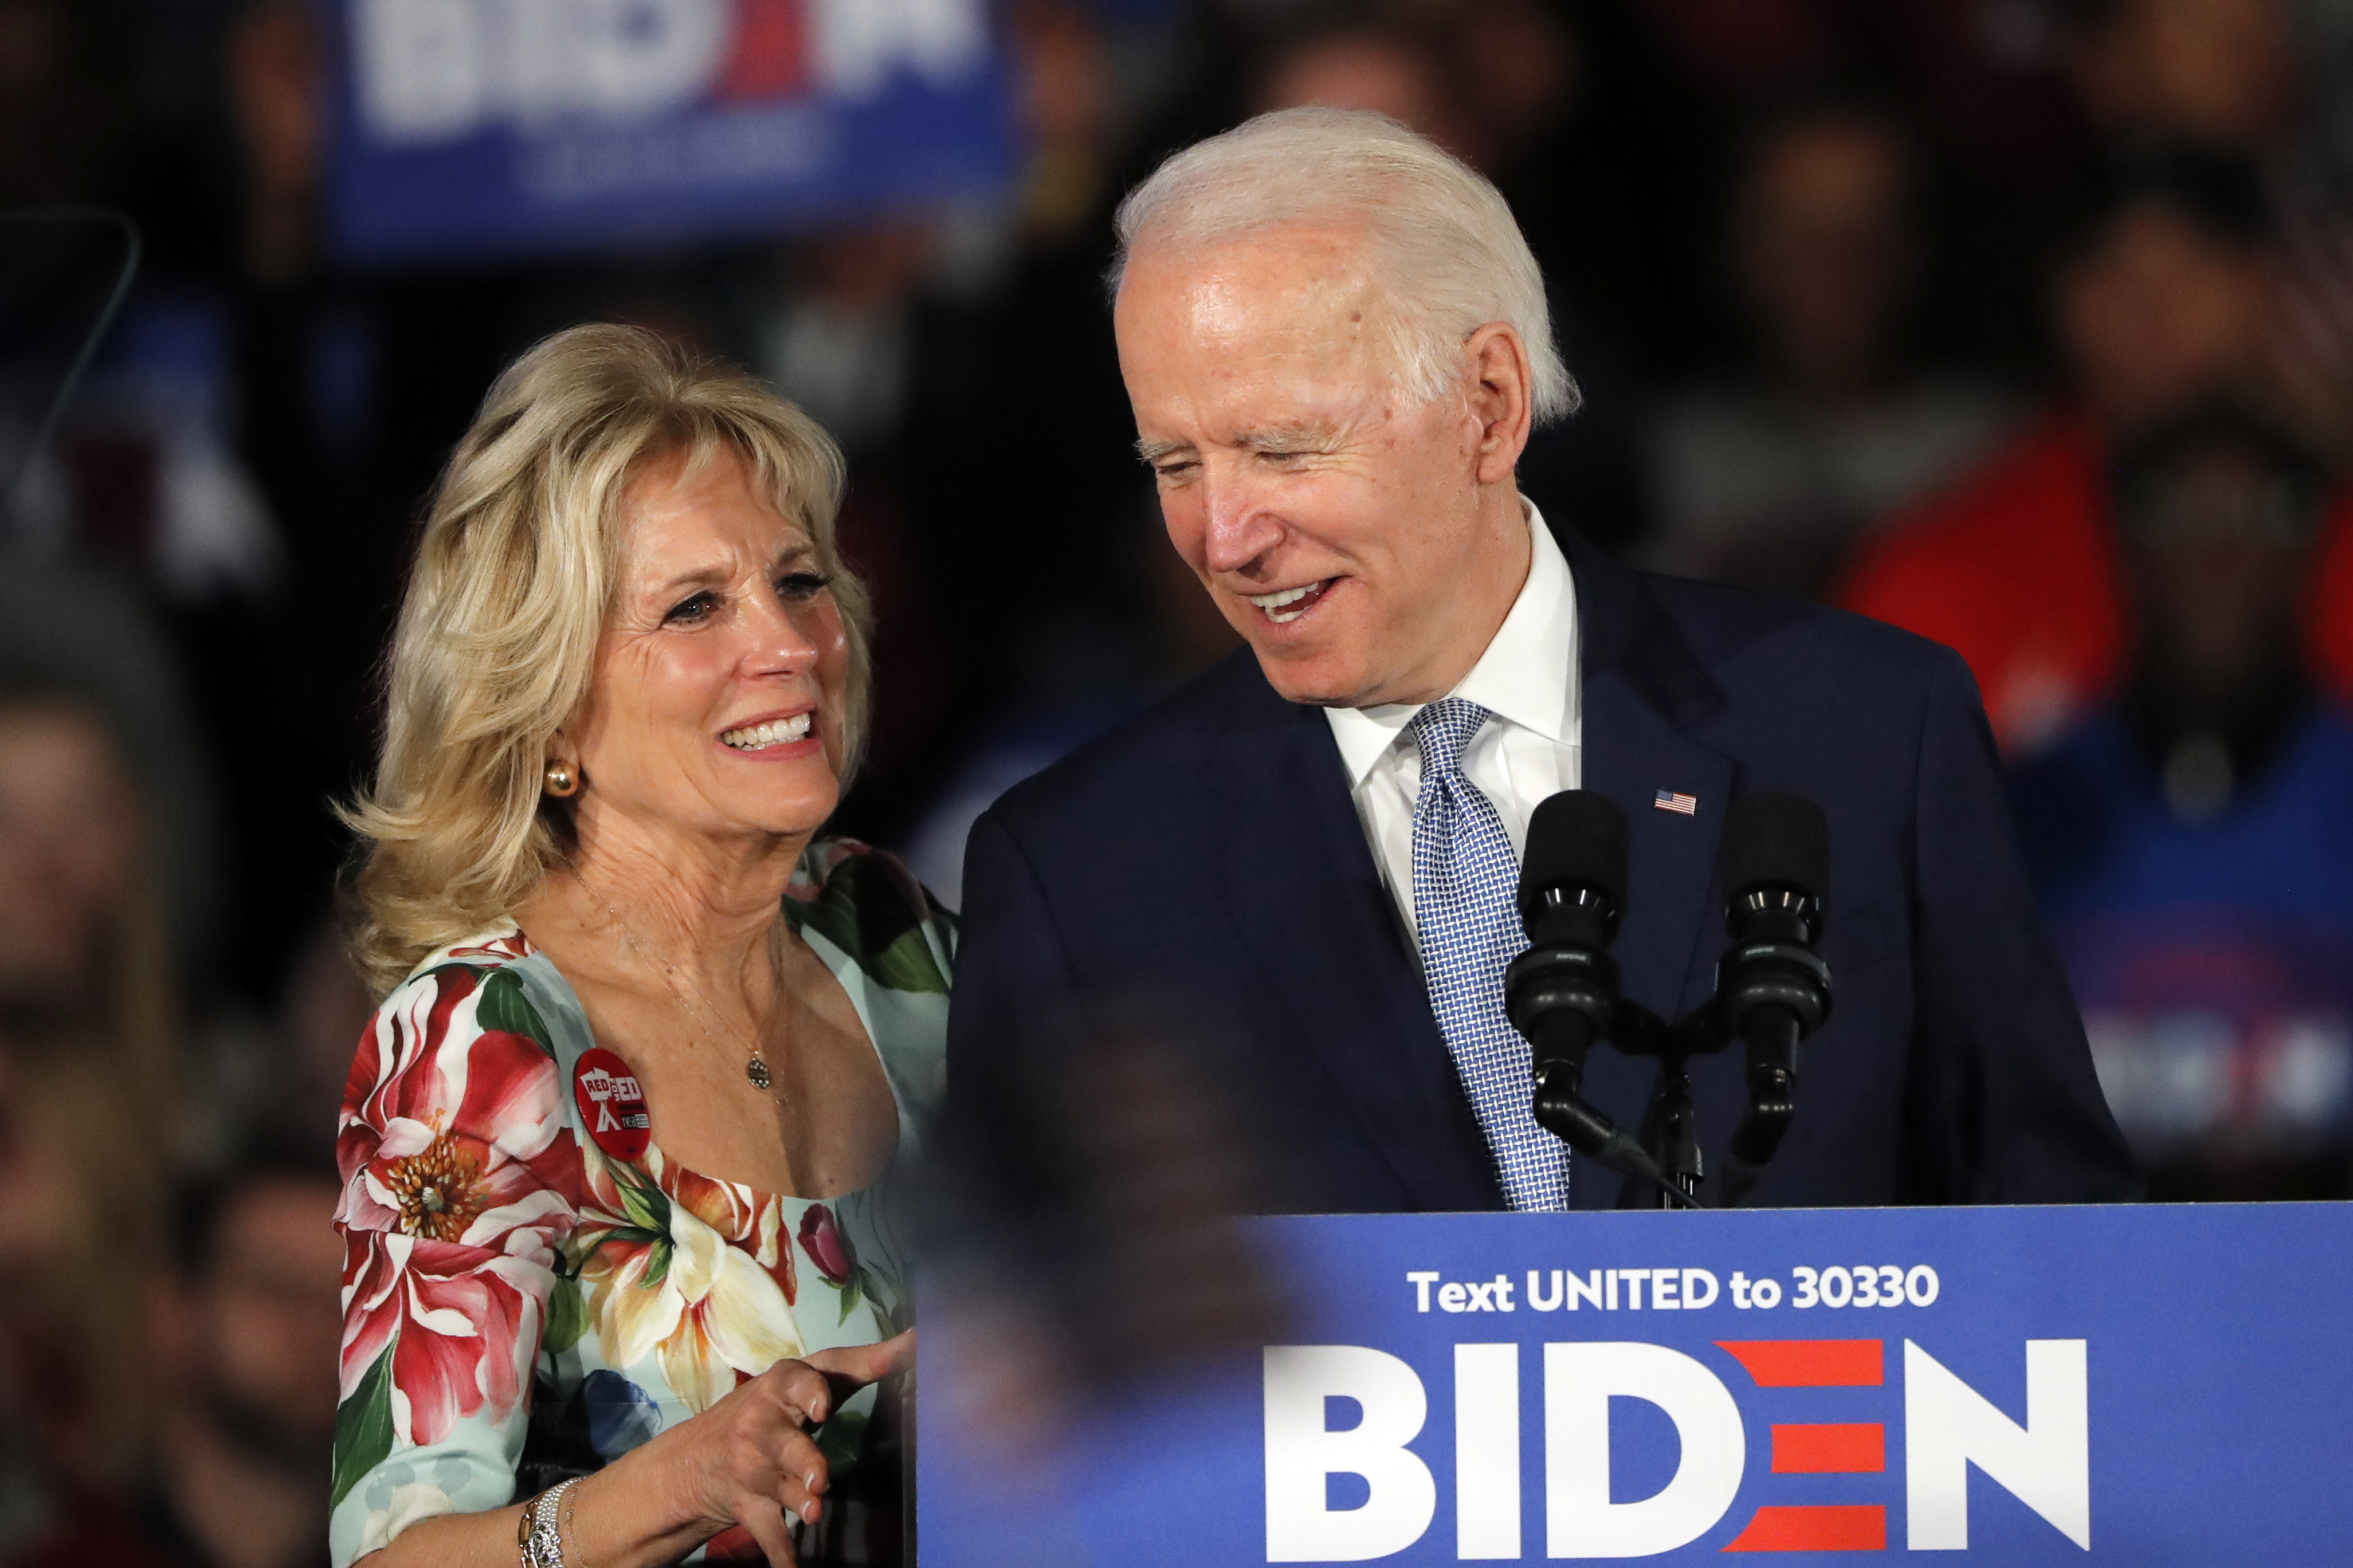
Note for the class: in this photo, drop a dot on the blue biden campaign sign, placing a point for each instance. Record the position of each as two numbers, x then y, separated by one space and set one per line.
475 127
2149 1385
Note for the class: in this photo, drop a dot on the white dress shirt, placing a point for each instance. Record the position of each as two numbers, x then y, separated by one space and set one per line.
1529 750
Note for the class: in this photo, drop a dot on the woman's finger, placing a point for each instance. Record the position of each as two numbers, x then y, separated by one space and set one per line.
780 1461
801 1472
763 1518
855 1366
800 1388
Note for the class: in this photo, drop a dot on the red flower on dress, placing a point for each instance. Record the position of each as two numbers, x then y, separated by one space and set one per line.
497 949
821 1238
459 1180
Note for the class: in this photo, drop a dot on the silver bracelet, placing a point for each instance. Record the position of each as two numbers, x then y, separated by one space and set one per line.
542 1544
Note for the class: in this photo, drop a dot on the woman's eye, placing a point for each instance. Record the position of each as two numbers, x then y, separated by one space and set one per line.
799 588
696 608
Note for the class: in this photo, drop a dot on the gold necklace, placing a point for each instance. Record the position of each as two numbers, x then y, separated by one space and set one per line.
755 1067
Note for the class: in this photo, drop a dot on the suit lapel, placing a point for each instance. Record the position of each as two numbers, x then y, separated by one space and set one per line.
1643 688
1300 883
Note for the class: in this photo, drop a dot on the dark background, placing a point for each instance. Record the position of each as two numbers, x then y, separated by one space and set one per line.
1823 268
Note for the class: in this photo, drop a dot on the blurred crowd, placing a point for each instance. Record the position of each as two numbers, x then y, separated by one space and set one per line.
2026 324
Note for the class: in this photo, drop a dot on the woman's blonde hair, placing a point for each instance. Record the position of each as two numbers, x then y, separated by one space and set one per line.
497 640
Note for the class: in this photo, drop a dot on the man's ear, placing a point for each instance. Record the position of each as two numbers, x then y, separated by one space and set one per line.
1501 386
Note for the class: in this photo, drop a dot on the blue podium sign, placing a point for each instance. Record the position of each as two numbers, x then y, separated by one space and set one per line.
468 128
2149 1385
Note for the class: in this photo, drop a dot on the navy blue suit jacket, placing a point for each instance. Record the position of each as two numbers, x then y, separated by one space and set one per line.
1206 860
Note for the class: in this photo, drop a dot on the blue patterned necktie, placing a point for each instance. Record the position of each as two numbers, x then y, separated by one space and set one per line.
1464 907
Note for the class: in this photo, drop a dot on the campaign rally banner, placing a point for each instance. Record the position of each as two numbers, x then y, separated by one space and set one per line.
2149 1385
468 128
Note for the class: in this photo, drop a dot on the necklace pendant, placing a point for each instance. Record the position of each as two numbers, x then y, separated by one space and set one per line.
757 1071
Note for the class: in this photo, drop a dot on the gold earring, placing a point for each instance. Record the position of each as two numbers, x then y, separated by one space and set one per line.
561 780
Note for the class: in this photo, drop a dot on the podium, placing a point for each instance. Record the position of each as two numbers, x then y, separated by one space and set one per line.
2135 1385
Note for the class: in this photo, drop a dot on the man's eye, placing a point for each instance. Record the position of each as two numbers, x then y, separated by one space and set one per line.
800 587
1175 472
694 608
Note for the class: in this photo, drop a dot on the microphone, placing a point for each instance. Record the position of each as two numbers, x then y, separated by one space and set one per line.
1561 992
1772 988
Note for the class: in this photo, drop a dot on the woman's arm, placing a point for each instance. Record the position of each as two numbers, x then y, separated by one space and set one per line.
460 1186
747 1460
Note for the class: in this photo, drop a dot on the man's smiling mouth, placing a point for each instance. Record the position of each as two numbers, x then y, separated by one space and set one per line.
1288 605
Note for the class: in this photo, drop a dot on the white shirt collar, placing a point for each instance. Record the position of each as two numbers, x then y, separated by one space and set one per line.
1527 676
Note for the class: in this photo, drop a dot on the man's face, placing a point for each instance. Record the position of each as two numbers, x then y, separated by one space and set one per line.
2215 559
2223 72
257 1336
1335 520
2159 312
1825 247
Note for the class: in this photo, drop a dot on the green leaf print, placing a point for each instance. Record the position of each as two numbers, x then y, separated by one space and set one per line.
656 1266
889 1303
647 1206
862 910
634 1235
852 1292
567 1315
841 1440
504 1007
907 965
363 1427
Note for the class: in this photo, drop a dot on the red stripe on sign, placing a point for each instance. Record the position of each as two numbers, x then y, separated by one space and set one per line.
770 55
1809 1363
1817 1529
1827 1449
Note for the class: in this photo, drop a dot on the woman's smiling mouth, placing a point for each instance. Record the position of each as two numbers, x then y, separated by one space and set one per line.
771 733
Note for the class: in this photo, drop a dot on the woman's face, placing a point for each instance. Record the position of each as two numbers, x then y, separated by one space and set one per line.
716 704
69 844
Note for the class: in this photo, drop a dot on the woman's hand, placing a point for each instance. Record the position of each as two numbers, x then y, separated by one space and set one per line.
852 1367
749 1460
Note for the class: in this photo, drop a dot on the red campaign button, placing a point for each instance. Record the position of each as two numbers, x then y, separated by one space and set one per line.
612 1104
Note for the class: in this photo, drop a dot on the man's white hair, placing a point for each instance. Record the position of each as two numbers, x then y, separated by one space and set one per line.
1442 240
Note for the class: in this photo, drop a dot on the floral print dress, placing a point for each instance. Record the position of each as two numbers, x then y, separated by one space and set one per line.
531 1289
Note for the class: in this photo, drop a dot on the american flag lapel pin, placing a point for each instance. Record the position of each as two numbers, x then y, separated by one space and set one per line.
1688 804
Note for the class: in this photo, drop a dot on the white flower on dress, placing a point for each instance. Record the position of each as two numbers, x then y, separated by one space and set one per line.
666 1283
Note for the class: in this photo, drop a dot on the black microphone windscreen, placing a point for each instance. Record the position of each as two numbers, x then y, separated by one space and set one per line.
1575 837
1776 838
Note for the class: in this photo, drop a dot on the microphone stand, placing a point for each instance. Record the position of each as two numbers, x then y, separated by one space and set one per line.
1772 988
1671 1125
1770 996
1564 997
1675 1134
